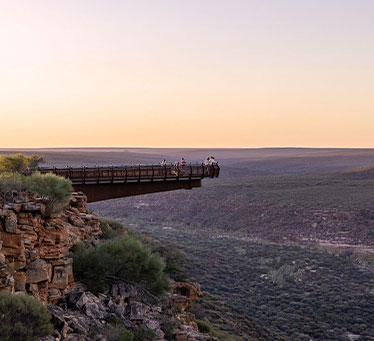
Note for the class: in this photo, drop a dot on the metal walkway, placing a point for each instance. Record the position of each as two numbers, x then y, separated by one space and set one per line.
109 182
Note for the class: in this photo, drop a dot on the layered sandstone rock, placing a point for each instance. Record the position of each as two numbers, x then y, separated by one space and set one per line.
34 259
184 294
34 249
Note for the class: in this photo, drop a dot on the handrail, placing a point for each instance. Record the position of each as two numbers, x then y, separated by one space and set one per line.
130 173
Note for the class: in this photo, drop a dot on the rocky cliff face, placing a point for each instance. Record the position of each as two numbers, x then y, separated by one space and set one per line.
34 259
34 250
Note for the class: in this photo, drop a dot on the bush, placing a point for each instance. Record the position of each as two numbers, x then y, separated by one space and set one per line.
123 257
169 326
204 326
143 334
111 228
19 163
23 318
9 183
114 331
114 224
126 335
175 261
54 190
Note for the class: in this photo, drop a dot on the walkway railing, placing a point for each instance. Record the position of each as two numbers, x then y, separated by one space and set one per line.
140 173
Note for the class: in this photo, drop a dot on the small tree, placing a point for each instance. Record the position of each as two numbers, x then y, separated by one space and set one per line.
35 160
54 190
123 257
19 163
22 318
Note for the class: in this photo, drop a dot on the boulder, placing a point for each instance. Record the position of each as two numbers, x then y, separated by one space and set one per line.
39 207
60 279
38 271
137 311
11 240
184 294
40 291
76 220
126 290
11 223
16 207
95 310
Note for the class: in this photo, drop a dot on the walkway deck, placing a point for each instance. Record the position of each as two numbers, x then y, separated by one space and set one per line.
109 182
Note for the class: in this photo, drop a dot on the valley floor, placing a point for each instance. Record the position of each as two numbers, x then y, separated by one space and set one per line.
269 291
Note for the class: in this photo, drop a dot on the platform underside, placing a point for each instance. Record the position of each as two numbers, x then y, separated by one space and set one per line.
99 192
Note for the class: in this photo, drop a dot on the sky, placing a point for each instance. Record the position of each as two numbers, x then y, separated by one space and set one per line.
187 73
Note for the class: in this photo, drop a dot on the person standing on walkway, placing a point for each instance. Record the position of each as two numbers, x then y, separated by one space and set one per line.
212 161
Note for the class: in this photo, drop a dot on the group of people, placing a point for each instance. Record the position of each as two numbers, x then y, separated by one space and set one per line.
182 162
209 161
179 169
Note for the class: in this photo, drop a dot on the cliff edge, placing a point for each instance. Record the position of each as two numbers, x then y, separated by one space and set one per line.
34 249
35 260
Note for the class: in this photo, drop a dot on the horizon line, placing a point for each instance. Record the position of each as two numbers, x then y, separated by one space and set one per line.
204 147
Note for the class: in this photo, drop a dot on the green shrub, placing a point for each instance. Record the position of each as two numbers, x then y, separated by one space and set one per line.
143 334
114 224
54 190
204 326
114 331
34 161
108 232
126 335
10 182
23 318
123 257
113 228
19 162
175 261
169 326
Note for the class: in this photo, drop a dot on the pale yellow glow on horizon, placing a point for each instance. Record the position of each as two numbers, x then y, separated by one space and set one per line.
74 76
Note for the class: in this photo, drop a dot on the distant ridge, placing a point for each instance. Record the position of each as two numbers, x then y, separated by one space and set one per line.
362 172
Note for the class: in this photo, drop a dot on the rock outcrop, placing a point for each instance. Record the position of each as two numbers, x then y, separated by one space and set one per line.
80 313
185 293
34 259
34 249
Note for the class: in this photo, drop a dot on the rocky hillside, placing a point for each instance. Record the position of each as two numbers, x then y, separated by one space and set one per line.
81 315
35 260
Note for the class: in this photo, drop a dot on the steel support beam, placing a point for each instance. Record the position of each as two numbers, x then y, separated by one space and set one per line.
99 192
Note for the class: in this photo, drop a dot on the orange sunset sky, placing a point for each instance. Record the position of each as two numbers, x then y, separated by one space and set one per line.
197 73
